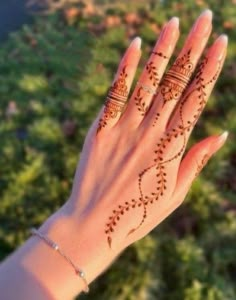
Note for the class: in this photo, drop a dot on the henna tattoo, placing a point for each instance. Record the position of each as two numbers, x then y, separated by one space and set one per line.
141 105
200 166
155 80
116 99
180 130
177 78
152 73
159 54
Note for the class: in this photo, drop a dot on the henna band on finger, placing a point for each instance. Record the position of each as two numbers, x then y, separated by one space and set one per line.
116 99
160 54
177 78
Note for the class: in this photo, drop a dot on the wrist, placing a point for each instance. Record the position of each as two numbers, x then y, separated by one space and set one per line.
81 240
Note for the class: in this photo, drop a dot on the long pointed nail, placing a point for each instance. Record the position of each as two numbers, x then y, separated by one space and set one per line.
219 142
218 49
136 43
203 23
170 28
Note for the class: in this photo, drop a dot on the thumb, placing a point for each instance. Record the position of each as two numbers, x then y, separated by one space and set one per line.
193 163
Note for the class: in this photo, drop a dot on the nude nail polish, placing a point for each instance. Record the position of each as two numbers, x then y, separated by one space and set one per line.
217 51
136 42
219 142
202 27
169 28
223 137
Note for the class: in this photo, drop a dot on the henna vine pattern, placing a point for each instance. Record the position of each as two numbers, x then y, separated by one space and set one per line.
152 73
155 80
200 166
159 162
140 103
116 99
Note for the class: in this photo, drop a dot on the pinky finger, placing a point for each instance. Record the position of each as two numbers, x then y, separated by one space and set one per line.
118 93
193 163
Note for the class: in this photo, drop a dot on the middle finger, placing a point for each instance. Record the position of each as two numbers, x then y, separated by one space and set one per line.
177 78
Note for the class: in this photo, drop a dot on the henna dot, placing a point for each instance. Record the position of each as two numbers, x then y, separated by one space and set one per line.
114 211
122 212
133 206
118 218
161 193
139 204
114 223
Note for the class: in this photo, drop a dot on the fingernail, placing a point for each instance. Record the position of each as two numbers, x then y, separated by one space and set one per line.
217 51
219 142
136 43
223 137
207 12
169 28
203 23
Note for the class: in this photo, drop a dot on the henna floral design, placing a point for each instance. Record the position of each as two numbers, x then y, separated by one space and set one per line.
200 166
116 99
159 163
177 78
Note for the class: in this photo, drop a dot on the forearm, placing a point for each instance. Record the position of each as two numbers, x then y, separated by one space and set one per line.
36 271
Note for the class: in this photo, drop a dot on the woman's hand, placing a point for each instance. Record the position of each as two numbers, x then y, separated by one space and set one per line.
132 173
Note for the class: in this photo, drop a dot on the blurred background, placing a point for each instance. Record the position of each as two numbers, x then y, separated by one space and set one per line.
57 60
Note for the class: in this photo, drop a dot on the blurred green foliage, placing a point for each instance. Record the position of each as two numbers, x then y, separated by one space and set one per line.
54 78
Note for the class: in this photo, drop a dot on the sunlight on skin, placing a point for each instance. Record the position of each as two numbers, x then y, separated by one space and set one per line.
132 173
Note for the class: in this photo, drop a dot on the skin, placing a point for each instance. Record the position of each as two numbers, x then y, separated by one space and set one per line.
133 172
